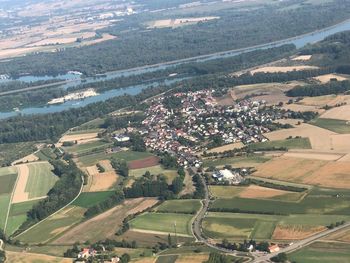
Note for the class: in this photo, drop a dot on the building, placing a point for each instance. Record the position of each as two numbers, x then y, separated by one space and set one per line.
274 248
227 175
122 138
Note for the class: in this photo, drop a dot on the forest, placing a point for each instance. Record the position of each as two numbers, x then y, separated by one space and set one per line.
235 29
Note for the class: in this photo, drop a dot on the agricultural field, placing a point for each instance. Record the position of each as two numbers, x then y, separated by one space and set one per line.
144 163
89 199
311 204
106 224
34 181
179 206
338 113
306 171
18 215
227 147
322 252
294 143
155 170
335 125
162 222
254 192
25 257
249 161
101 181
235 226
8 176
320 138
128 156
329 77
53 226
276 69
79 138
80 149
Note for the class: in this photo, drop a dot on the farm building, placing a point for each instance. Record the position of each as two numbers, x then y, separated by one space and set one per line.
121 138
274 248
227 175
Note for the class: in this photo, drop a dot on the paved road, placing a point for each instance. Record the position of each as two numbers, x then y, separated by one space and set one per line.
298 245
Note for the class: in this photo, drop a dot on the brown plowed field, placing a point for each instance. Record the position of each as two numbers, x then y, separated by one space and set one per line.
144 163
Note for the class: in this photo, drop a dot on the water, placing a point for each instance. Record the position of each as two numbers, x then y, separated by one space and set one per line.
299 41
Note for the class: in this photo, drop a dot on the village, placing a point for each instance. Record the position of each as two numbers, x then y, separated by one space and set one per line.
187 124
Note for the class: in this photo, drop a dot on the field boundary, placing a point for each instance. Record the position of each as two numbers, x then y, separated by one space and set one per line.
10 203
64 207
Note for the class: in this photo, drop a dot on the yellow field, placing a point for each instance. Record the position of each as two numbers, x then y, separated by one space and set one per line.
307 171
327 78
24 257
339 113
282 69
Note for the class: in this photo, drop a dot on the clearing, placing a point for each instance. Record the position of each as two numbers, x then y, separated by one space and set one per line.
329 77
302 58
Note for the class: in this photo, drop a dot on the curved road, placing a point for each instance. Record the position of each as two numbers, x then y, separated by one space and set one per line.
258 256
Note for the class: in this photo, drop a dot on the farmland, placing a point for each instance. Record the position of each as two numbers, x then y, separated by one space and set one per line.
89 199
338 126
236 226
80 149
306 171
18 215
155 170
249 161
322 252
338 113
162 222
53 226
128 156
179 206
294 143
106 224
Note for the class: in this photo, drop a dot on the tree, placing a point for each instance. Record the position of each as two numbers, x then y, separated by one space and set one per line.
281 257
120 166
170 241
177 185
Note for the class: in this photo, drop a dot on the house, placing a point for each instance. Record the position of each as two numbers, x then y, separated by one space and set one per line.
86 253
274 248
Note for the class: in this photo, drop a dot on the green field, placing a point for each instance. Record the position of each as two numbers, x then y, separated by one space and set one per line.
163 222
52 227
322 252
46 154
8 170
179 206
128 156
40 180
155 170
4 206
237 161
221 227
18 215
223 191
260 227
7 182
167 259
295 143
338 126
89 199
87 147
312 204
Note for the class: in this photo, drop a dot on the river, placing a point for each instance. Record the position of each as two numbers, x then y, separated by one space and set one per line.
299 41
